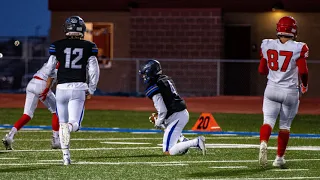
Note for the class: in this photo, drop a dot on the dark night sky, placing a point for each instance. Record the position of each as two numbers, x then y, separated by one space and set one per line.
21 17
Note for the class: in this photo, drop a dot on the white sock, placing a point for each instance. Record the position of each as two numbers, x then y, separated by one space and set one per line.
55 134
182 146
66 152
182 138
62 130
13 132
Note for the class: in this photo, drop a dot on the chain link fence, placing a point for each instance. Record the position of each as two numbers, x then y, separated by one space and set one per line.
193 77
21 57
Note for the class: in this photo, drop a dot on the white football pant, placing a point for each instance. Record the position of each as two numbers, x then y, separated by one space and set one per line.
34 88
173 131
280 100
70 106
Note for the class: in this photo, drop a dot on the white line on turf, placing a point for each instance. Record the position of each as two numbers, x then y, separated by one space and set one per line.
92 139
257 178
8 158
228 167
289 170
243 146
51 160
81 149
169 165
139 162
123 143
144 132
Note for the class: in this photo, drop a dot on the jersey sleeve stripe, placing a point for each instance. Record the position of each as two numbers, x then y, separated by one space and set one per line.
151 87
152 90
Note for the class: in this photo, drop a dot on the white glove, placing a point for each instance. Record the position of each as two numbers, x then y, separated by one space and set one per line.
158 124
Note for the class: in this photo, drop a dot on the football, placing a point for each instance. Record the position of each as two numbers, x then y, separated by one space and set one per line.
153 117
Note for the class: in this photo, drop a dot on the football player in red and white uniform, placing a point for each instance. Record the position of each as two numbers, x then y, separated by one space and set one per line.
283 60
37 89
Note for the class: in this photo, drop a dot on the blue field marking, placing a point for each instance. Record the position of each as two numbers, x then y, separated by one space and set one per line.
128 130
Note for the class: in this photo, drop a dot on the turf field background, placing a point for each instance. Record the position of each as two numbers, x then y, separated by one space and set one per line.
112 155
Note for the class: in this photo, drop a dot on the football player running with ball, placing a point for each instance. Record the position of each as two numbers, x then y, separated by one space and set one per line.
284 61
78 76
171 110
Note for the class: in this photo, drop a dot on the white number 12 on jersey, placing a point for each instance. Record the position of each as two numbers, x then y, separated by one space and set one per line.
76 51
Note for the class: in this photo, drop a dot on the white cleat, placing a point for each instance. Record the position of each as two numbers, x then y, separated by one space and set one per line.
66 160
55 143
263 159
7 142
201 144
279 162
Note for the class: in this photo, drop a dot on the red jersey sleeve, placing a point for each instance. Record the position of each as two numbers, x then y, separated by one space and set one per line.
302 64
263 66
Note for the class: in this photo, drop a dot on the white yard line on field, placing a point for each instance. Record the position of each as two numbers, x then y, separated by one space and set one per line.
144 132
289 170
110 142
169 165
51 160
55 161
8 158
256 146
271 178
27 131
92 139
228 167
81 149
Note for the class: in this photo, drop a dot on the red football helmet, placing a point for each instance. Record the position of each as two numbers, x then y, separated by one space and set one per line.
287 26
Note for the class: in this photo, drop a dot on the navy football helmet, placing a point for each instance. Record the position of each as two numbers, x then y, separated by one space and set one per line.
150 70
74 26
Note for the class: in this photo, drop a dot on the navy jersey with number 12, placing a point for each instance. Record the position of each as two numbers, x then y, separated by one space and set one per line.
73 55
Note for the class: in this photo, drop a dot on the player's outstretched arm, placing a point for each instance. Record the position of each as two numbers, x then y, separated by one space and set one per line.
94 73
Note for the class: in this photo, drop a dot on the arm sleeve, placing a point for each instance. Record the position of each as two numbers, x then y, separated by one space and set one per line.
50 66
302 65
94 73
160 106
152 90
263 66
52 49
94 50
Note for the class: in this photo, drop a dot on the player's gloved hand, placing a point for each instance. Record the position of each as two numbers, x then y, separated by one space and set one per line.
158 124
44 94
88 95
303 88
153 117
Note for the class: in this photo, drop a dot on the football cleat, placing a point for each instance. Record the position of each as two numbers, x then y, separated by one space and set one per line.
201 144
279 162
263 159
55 143
66 160
7 142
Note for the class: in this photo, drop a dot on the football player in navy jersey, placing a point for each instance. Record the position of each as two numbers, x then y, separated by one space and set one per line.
77 78
171 109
